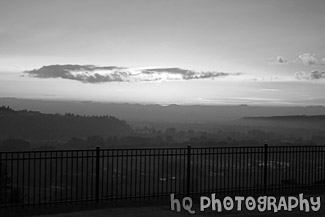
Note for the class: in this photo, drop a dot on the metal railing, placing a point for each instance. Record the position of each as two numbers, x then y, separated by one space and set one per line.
36 178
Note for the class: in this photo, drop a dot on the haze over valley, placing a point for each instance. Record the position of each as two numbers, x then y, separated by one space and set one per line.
39 124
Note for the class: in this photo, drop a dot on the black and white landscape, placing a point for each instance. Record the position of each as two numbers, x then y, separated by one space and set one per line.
118 99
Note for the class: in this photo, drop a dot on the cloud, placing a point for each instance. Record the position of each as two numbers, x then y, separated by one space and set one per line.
323 61
97 74
314 75
308 59
281 59
83 73
278 60
183 74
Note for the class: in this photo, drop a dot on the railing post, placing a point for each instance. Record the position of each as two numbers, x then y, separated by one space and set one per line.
265 168
188 177
97 173
1 178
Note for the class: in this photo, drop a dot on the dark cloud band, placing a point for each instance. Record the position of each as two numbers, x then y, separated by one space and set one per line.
96 74
314 75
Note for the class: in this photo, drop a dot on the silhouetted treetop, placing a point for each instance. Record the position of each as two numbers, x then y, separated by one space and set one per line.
36 125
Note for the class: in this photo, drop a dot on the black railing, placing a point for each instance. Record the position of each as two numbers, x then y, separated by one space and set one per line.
36 178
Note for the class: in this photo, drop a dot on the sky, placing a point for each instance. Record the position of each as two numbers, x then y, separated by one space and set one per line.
255 52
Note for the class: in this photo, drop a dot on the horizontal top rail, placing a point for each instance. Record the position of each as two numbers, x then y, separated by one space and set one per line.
165 148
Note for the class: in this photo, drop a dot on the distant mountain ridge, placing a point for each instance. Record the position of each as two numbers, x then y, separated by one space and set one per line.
158 113
36 125
291 117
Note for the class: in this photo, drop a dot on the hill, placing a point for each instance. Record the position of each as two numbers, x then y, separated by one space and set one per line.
292 121
289 118
36 125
